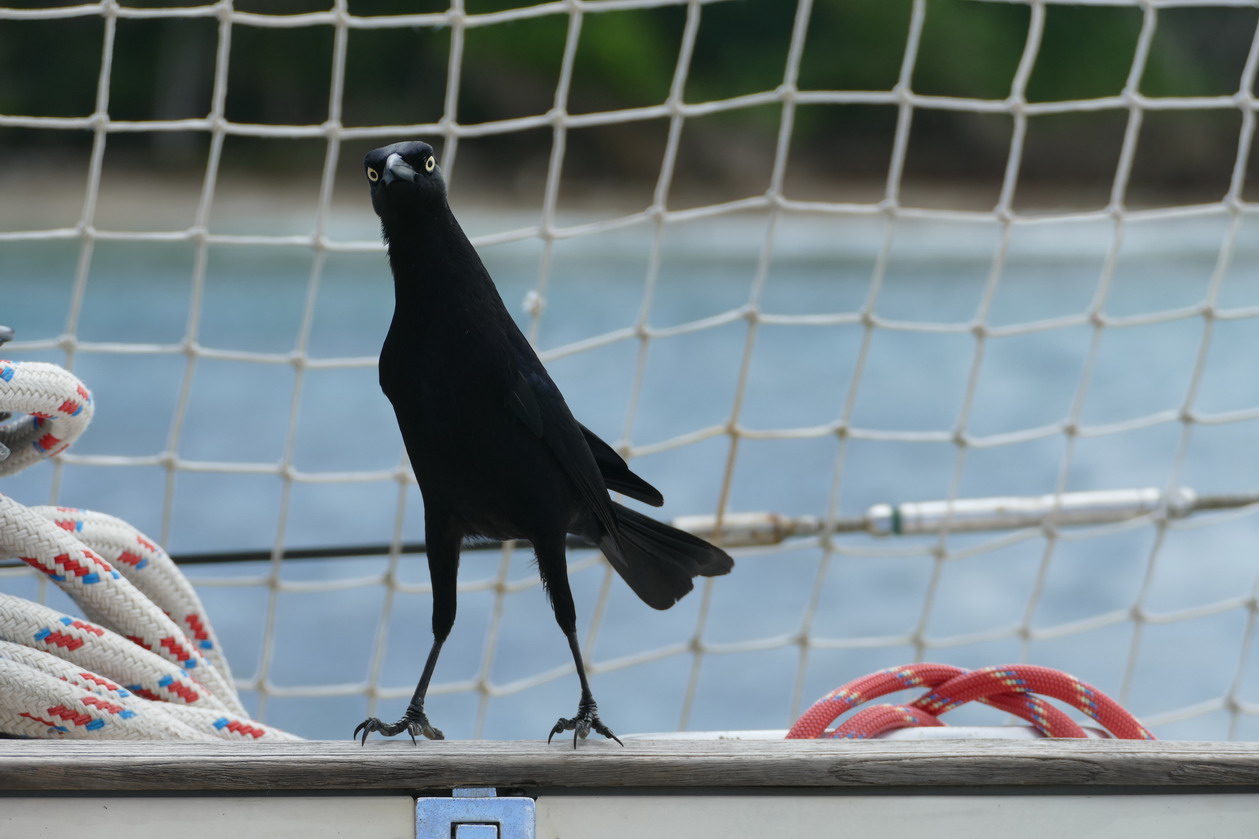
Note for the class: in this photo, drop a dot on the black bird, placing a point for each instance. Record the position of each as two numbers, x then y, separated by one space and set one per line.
494 447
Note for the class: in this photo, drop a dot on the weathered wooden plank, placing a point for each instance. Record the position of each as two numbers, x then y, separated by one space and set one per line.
390 766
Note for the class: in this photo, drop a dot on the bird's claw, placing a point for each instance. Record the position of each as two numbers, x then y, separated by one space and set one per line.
412 723
587 720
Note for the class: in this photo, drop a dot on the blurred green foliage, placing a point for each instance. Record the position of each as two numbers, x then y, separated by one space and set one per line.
166 68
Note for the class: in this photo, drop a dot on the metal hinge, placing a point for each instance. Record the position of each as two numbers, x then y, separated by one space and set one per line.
474 813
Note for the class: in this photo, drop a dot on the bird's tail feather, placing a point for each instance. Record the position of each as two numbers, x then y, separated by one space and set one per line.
659 561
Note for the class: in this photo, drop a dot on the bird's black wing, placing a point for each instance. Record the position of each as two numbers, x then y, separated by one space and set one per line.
538 403
525 398
524 403
617 474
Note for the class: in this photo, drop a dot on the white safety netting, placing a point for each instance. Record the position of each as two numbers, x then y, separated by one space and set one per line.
1130 606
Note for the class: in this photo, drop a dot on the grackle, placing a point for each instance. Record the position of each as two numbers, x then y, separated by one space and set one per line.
494 447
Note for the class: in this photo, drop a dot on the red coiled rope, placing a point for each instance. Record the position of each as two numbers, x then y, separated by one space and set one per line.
1012 688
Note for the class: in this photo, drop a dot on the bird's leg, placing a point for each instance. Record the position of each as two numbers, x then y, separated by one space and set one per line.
414 721
553 566
587 718
443 567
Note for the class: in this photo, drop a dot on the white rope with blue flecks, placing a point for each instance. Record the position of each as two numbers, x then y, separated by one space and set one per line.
57 409
143 562
80 702
146 664
104 594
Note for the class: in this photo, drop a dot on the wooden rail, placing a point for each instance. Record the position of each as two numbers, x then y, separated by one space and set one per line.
392 766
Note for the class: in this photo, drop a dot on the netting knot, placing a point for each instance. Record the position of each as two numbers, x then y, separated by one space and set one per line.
533 303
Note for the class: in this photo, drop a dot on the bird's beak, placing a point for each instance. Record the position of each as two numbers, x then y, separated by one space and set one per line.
397 169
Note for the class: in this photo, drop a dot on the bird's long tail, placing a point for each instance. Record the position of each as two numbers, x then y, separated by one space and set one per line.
659 561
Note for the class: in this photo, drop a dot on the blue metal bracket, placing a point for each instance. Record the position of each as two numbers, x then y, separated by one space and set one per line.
474 813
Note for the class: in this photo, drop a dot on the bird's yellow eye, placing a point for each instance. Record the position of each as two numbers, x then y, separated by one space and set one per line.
430 164
372 175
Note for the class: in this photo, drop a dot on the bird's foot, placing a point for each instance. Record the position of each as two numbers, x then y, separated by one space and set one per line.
413 722
587 720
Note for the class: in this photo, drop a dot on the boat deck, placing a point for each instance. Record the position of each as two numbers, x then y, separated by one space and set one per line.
386 766
662 788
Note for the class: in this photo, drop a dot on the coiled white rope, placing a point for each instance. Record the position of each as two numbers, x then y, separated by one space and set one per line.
105 596
141 561
57 405
91 646
146 663
78 702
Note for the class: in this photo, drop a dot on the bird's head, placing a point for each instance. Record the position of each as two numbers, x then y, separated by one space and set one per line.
404 178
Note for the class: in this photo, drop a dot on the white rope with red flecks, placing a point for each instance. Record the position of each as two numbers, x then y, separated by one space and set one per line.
148 568
146 663
57 407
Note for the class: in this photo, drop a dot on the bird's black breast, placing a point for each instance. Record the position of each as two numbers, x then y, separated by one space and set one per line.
449 380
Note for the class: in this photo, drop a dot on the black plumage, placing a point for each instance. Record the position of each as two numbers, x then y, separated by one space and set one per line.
494 447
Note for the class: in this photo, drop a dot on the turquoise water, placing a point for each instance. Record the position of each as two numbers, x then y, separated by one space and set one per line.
799 376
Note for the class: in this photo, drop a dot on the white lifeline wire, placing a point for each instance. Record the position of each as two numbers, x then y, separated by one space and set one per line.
658 218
